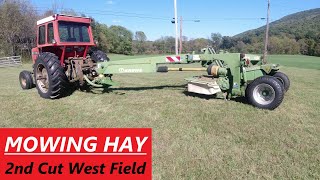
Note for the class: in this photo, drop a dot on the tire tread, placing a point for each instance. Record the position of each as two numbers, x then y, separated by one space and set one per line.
57 77
273 82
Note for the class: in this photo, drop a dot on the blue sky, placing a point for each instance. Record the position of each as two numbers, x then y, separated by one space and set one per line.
228 17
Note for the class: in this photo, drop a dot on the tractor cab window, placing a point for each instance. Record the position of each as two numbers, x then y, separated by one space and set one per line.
42 35
50 33
73 32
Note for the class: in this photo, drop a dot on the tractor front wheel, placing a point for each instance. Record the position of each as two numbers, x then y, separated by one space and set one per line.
265 92
51 80
26 80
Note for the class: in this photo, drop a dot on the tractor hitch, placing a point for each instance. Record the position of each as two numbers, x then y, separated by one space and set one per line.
100 81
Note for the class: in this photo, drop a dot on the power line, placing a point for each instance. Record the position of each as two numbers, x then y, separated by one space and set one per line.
100 11
134 15
115 13
111 14
145 16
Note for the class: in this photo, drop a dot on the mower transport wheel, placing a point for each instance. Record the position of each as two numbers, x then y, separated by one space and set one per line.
51 80
99 56
26 80
284 79
265 92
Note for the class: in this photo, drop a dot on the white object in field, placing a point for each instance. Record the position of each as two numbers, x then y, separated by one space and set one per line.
203 87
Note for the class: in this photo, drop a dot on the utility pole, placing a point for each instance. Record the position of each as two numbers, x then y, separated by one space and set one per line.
266 41
180 49
176 24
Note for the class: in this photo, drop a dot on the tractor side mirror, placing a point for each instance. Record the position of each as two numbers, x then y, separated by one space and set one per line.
54 41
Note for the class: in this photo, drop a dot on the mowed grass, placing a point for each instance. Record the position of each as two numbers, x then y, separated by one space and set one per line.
193 138
309 62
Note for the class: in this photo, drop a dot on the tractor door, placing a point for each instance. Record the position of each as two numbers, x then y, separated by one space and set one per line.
41 40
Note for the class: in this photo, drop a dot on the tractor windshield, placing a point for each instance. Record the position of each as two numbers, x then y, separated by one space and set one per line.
73 32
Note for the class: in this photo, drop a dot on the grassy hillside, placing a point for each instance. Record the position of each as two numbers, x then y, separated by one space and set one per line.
297 33
300 25
193 138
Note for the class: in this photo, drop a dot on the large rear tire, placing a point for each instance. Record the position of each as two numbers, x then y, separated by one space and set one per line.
26 80
50 78
265 92
99 56
284 79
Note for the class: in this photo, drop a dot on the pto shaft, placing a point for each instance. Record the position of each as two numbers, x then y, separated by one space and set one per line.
165 69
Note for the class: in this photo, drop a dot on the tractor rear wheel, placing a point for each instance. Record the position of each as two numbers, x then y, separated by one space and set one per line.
51 80
265 92
99 56
26 80
284 79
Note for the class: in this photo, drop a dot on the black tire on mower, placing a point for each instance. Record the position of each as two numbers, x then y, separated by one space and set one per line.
265 92
99 56
284 79
54 84
26 81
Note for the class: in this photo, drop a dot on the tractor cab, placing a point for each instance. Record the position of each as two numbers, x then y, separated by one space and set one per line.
65 36
62 56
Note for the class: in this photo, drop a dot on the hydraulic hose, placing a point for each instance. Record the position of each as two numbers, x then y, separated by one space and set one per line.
92 83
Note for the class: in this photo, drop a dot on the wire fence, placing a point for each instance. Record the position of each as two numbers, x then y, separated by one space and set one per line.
10 61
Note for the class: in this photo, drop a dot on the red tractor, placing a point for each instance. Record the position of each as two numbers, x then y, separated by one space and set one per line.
63 55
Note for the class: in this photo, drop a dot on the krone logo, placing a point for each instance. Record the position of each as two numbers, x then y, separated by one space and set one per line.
123 70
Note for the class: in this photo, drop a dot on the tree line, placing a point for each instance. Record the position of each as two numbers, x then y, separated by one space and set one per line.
18 31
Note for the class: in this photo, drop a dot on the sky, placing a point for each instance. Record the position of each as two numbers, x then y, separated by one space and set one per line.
228 17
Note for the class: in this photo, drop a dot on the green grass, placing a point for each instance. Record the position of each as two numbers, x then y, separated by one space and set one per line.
299 61
193 138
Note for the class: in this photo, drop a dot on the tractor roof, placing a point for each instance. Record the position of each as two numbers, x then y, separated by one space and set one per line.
62 17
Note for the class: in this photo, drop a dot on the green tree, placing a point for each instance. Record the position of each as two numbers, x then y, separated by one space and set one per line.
227 42
303 47
140 42
216 40
18 24
158 46
317 50
241 47
198 44
120 40
311 45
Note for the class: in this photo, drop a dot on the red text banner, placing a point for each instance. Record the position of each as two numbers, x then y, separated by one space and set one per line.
75 154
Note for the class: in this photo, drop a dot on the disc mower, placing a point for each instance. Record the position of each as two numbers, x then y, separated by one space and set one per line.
63 58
